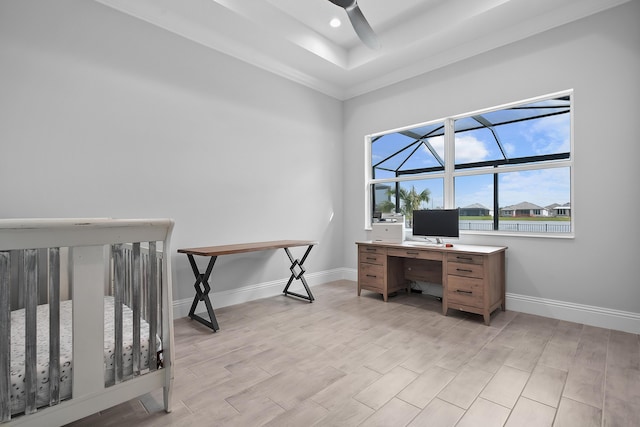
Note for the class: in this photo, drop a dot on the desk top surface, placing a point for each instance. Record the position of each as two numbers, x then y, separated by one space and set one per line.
245 247
478 249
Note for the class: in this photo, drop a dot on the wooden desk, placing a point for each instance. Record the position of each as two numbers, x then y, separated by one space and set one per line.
472 277
202 286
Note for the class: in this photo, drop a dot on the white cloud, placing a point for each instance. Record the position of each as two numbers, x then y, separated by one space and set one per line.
509 148
438 144
470 149
550 135
542 187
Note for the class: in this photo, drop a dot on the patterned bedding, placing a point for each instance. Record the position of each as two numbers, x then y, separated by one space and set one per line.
66 339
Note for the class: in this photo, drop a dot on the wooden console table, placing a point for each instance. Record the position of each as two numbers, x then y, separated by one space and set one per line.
202 286
472 277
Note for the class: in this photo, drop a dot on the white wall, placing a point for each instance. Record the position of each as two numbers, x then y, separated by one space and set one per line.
599 57
104 115
90 98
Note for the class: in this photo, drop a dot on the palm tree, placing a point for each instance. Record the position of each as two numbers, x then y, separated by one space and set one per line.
411 200
386 206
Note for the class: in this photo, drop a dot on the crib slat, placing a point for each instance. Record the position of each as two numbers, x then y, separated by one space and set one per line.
152 302
54 326
126 296
118 294
137 269
144 289
89 277
31 306
17 279
42 276
5 336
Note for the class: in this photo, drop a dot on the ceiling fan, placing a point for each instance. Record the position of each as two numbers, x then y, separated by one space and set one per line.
359 22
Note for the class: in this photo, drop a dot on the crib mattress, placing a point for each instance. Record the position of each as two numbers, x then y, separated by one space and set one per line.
66 354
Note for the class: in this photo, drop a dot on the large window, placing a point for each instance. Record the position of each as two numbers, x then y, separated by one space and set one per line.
508 168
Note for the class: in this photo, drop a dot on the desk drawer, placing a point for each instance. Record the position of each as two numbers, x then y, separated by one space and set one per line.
371 275
372 258
465 290
371 249
465 258
415 253
467 270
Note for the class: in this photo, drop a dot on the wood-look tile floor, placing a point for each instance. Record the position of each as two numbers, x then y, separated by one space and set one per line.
346 360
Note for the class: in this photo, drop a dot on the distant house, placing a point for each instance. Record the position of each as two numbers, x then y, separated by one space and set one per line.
561 210
475 209
551 208
524 209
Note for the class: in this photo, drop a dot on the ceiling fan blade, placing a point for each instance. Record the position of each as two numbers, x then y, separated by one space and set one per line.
359 22
343 3
362 27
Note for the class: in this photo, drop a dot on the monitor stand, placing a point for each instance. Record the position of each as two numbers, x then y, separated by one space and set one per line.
427 242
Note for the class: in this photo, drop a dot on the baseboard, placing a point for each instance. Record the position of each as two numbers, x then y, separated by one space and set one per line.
561 310
351 274
586 314
260 290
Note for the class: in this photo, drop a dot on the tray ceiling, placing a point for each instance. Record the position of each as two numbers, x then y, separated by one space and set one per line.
293 38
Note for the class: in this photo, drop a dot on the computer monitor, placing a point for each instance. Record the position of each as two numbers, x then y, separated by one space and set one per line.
436 223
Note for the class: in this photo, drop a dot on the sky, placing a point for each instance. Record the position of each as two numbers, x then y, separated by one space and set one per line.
547 135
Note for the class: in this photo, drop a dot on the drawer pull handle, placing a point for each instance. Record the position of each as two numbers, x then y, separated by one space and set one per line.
464 270
413 253
370 249
466 258
371 275
464 292
371 258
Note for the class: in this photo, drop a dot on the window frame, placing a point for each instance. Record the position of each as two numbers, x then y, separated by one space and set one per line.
450 173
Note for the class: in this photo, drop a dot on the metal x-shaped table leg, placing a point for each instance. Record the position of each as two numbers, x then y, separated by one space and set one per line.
202 293
297 272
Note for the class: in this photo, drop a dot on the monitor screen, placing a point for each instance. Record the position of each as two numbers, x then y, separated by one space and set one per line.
436 223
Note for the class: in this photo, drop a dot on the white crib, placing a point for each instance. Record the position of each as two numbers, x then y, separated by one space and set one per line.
85 316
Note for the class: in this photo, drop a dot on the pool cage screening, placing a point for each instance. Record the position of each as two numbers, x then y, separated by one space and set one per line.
419 151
